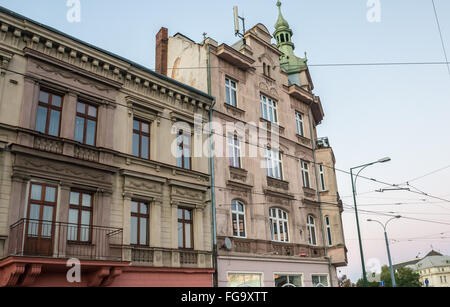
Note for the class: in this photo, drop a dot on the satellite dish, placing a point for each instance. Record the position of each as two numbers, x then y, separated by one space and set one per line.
228 244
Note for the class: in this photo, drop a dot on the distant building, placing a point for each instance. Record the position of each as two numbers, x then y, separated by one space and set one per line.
434 269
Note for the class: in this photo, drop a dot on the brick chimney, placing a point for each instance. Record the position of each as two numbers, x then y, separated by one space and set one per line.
162 44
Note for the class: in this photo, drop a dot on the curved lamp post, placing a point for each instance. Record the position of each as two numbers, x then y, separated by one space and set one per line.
362 167
394 284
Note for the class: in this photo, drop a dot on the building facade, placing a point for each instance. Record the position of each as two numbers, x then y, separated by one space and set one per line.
88 170
434 269
278 213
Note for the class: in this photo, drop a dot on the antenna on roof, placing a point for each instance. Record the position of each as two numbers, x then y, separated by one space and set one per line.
237 26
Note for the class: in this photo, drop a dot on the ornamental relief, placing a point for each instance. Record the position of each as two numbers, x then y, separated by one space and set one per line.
71 79
35 166
144 186
187 193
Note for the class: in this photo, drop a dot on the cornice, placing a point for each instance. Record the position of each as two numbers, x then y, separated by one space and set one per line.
22 34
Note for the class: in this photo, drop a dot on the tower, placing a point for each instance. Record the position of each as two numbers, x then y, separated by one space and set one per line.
292 64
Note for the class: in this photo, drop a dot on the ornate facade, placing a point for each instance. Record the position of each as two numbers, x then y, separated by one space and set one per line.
277 225
86 168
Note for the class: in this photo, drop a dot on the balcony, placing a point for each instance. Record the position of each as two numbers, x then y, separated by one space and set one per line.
33 238
271 248
170 258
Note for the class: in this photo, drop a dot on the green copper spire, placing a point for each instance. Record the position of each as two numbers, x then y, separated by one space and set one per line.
281 24
283 35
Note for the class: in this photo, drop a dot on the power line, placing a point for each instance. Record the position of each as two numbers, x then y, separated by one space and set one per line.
441 36
324 65
428 174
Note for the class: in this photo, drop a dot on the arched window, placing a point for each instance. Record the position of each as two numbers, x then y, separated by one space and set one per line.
311 224
328 223
238 218
279 225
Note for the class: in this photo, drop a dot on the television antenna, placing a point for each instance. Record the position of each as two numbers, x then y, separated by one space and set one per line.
237 24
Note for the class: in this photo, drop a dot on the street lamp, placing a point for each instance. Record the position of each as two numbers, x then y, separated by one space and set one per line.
362 167
387 246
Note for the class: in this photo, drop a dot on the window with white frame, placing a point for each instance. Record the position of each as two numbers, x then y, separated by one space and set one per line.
274 164
311 225
288 281
305 174
320 281
299 121
244 280
322 177
234 151
231 92
279 225
328 224
238 217
269 109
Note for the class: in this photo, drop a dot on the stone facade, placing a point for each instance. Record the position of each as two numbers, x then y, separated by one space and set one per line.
255 70
34 58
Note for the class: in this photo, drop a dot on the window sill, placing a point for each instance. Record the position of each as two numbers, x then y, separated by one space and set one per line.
234 110
269 125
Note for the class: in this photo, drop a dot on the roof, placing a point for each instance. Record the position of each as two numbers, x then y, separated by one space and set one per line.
134 64
433 261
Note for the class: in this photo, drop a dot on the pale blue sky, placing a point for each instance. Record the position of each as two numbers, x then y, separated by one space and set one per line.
371 112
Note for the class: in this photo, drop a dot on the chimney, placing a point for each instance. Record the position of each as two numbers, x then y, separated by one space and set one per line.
162 45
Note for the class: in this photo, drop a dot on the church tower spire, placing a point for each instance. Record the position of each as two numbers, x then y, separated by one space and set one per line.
292 64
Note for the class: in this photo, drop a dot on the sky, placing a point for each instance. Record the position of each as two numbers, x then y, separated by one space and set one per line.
370 112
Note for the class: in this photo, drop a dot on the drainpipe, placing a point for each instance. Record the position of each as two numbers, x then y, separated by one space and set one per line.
212 172
313 141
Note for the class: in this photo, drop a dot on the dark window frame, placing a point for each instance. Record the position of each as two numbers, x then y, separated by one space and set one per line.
184 222
86 118
49 106
142 134
80 208
140 215
182 148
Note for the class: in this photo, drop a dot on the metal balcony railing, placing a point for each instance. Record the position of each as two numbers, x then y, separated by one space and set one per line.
34 238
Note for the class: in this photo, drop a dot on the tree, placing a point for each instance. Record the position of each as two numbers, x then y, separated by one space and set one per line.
404 277
360 284
344 282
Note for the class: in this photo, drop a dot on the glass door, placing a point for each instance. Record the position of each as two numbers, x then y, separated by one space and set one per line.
40 226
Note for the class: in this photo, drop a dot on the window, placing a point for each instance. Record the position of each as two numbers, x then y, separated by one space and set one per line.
311 225
80 217
141 139
299 120
274 164
41 211
86 124
184 150
320 280
322 177
279 225
48 118
185 233
244 280
328 224
139 223
305 175
238 217
269 109
234 151
288 281
231 92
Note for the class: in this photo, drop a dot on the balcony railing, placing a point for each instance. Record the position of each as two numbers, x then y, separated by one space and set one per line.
33 238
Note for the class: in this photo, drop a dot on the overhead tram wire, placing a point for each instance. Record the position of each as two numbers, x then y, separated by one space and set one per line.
428 174
284 154
441 36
